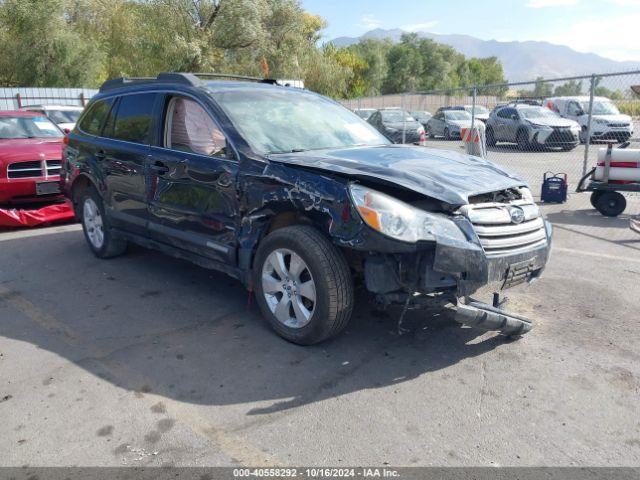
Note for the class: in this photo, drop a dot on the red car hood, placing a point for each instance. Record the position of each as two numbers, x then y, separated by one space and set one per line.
24 149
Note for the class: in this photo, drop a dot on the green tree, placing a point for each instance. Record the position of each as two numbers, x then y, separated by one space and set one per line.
40 49
571 88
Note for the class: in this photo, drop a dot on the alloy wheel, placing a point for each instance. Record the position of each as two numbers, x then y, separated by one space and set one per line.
92 220
288 288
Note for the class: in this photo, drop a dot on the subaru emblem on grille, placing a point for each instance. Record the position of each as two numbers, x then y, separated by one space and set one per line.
517 214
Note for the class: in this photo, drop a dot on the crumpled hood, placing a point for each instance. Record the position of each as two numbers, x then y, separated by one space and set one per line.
18 149
445 175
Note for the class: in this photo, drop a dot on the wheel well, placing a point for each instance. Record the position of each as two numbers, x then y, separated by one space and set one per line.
286 219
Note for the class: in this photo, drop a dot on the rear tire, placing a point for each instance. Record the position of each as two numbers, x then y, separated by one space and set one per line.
303 285
95 226
611 204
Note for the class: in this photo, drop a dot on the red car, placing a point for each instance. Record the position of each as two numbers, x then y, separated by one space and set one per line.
30 157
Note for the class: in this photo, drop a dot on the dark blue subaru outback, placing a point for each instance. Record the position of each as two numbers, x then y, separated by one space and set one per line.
298 198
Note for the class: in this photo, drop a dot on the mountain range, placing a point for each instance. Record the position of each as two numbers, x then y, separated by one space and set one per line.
521 61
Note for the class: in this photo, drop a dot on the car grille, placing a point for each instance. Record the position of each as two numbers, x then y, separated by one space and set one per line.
34 169
561 135
53 167
618 125
499 235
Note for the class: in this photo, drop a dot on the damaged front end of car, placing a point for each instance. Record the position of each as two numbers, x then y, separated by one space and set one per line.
417 226
495 242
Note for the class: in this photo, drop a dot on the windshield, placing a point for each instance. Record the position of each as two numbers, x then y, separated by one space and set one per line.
601 108
539 112
64 116
421 116
282 120
457 115
395 116
479 110
27 127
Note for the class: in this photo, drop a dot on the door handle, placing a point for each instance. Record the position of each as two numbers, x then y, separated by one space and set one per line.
160 168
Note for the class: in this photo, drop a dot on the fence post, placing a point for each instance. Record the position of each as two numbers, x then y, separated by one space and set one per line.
82 99
587 141
404 119
473 108
19 100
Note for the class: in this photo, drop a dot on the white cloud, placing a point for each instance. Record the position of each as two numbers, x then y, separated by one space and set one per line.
419 27
551 3
369 21
615 37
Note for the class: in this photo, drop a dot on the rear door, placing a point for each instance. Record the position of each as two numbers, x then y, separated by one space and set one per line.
191 182
124 150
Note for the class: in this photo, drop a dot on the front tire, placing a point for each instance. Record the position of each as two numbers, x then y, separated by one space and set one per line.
303 285
95 226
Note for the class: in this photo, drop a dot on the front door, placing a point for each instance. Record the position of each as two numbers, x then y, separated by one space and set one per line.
191 183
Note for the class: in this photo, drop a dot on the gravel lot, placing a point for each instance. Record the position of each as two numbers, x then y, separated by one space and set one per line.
148 360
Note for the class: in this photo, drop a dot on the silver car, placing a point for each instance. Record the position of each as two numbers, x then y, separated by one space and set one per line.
531 127
448 124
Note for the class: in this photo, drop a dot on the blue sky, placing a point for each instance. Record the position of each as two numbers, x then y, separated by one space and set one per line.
608 27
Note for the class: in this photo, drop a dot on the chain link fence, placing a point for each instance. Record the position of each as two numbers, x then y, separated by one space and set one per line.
557 125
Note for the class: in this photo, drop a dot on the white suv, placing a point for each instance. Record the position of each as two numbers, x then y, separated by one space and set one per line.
608 123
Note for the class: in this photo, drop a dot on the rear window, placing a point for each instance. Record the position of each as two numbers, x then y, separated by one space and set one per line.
134 118
92 122
64 116
27 127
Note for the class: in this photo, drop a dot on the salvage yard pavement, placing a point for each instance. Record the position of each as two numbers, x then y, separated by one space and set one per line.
148 360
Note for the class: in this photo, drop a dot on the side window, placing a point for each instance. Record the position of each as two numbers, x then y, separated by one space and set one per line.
190 128
134 118
109 125
574 109
92 122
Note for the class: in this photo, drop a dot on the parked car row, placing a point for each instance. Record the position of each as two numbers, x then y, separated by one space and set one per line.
557 122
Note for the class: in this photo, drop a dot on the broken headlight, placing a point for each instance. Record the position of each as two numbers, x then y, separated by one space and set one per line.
394 218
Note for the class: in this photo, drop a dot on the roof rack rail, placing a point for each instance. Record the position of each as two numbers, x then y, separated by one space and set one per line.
238 77
183 78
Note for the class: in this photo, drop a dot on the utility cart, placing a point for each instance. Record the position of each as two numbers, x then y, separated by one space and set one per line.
616 172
